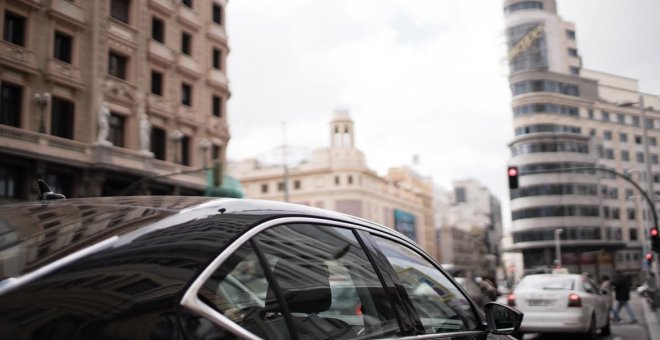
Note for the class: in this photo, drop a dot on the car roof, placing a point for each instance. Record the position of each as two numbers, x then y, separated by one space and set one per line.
36 234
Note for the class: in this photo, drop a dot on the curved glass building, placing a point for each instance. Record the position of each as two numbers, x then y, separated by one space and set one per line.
569 117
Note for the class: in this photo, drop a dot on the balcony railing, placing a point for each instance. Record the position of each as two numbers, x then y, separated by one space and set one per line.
18 55
189 65
69 10
64 73
189 17
167 5
160 51
216 32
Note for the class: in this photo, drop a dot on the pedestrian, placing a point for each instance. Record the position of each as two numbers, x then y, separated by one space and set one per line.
606 289
622 295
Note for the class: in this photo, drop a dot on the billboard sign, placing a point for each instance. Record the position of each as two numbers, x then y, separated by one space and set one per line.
405 223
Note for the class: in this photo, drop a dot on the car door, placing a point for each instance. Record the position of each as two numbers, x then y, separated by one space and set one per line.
296 278
439 306
600 302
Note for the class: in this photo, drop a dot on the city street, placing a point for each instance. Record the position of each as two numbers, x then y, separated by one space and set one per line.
621 331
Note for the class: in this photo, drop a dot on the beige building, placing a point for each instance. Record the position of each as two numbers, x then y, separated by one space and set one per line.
337 178
98 94
469 227
568 117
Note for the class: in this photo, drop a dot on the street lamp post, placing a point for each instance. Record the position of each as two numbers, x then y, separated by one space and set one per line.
558 232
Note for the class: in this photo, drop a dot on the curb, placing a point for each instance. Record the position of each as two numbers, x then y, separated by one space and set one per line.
651 321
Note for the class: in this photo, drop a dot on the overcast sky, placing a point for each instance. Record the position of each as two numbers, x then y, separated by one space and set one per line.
425 77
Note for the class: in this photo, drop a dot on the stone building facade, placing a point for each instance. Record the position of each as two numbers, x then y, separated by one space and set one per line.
96 95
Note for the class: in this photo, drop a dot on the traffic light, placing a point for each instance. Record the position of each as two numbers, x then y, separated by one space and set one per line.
655 239
648 258
513 177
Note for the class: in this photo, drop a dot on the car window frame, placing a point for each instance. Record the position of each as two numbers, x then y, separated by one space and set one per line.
194 304
480 319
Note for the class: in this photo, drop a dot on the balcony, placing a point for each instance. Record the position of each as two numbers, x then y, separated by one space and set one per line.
216 32
217 78
64 73
188 65
166 5
122 31
25 142
158 104
188 17
68 11
161 52
18 56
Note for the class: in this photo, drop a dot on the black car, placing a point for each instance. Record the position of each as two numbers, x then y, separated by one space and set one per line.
200 268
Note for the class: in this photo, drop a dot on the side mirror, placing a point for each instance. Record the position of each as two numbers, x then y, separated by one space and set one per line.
502 319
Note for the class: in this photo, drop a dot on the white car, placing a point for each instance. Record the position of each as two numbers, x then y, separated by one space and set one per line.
561 303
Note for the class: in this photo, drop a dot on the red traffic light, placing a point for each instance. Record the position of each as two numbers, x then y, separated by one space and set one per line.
648 257
654 232
513 171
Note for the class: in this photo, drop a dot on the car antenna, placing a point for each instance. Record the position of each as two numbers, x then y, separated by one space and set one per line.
46 193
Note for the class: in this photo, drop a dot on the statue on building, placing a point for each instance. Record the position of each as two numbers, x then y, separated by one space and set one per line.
103 116
145 134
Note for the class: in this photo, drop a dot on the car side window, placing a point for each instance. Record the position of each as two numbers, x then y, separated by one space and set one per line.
589 287
329 285
238 289
440 305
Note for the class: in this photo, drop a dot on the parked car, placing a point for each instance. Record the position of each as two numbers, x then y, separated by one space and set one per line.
200 268
561 303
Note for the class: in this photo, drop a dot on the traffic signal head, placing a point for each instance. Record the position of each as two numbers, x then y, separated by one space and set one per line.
648 258
513 177
655 239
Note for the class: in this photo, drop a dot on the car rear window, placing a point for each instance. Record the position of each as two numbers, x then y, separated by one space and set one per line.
547 283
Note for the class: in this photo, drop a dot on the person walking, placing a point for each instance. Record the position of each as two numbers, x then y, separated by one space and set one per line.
606 289
622 295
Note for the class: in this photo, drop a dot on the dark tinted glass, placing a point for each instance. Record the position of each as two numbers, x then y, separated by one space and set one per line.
185 150
117 65
11 104
186 43
217 14
116 124
328 283
217 106
119 9
440 305
157 83
186 94
217 58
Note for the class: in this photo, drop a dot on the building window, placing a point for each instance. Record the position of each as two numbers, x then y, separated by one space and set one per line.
116 133
62 118
653 141
633 234
615 213
547 108
620 118
186 94
527 86
625 156
572 52
623 137
649 123
117 65
157 29
63 47
10 182
158 140
11 104
120 10
217 58
640 157
460 195
216 106
187 3
217 13
185 150
216 153
631 213
609 154
156 83
186 43
350 179
14 28
570 34
605 116
638 139
591 114
296 184
607 135
337 180
635 121
575 70
264 188
280 186
654 158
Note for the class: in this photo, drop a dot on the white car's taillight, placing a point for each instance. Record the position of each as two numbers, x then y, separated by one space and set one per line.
574 300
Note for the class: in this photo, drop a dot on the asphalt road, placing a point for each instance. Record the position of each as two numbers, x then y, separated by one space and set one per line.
621 331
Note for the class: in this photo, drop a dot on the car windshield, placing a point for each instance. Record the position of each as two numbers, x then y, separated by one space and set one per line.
547 283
